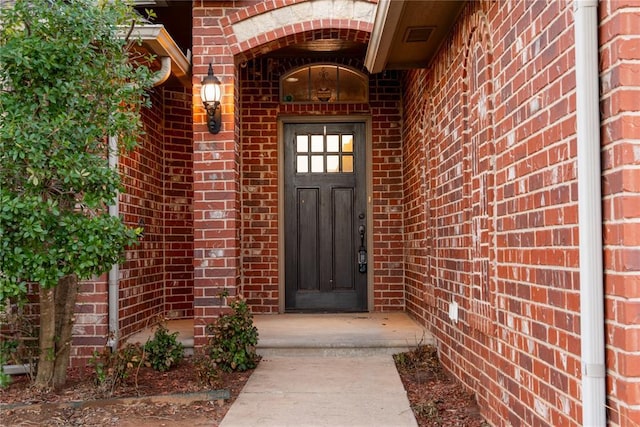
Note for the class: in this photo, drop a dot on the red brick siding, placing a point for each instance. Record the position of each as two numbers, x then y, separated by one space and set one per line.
157 277
141 285
178 198
620 88
388 239
259 179
500 190
215 171
419 294
525 368
91 328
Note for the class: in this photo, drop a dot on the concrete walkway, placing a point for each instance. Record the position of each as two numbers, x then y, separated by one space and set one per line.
328 370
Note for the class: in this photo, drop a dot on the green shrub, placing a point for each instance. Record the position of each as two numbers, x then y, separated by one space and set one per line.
233 339
163 351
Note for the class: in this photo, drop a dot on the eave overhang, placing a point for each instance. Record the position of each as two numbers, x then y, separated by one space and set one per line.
156 40
408 33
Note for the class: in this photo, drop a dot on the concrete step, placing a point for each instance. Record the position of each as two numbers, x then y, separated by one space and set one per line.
338 335
320 335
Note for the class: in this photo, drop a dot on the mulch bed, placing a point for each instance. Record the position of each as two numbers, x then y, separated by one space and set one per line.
436 398
50 408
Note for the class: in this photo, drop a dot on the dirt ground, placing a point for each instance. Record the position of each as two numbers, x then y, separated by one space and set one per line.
435 399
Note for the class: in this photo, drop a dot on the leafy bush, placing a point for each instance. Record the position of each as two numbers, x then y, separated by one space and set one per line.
233 339
163 351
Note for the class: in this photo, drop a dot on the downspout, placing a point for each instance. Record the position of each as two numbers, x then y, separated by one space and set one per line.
114 210
160 77
163 74
590 214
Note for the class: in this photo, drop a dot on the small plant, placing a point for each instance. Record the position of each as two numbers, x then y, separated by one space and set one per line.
163 351
422 362
233 339
7 347
113 368
206 370
427 409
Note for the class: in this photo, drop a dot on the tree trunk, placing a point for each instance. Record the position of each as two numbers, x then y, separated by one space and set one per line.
65 301
57 316
47 339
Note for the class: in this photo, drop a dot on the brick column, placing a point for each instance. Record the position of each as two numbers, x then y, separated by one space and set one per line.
216 180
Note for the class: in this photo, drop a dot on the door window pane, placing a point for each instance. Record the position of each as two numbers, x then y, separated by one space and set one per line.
333 163
317 164
302 143
303 164
317 143
347 143
333 143
347 163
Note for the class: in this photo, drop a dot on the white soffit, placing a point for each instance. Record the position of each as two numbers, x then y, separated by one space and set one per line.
156 38
407 33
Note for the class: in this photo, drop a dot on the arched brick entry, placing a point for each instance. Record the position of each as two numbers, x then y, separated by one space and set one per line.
229 35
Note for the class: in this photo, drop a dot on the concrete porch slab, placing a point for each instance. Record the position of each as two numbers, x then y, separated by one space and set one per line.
355 334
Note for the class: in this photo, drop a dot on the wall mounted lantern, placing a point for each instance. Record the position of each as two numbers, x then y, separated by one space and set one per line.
210 93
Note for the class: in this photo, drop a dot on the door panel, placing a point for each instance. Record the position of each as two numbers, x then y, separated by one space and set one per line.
325 203
308 265
343 249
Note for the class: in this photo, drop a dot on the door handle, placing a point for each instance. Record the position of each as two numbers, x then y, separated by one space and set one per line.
362 252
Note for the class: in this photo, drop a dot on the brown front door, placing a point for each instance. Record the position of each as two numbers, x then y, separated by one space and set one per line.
325 217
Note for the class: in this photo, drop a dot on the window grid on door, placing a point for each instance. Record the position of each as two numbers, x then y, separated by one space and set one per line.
318 153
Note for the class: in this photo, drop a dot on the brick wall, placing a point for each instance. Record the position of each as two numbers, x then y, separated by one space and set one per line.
178 198
91 328
156 280
141 287
493 123
620 88
260 108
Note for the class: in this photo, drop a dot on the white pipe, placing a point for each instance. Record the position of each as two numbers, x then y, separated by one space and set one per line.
163 74
114 210
590 214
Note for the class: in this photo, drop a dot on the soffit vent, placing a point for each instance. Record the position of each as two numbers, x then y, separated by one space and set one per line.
417 34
